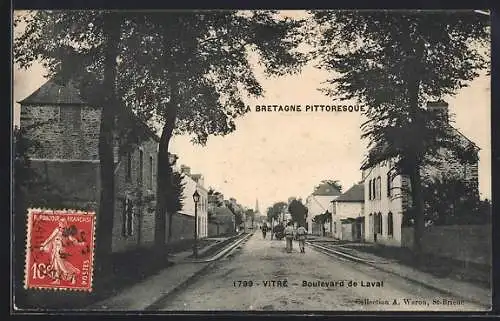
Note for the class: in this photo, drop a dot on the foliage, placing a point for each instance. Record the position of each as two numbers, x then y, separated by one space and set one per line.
250 214
322 219
275 211
298 211
393 62
236 210
194 70
175 199
450 200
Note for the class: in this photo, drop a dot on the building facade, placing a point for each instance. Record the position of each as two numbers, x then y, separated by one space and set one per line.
192 183
387 196
318 203
66 130
348 214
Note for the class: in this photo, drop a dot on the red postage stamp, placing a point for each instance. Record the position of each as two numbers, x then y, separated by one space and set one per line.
60 250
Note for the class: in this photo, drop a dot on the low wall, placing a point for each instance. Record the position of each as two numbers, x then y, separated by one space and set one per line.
220 229
182 227
470 243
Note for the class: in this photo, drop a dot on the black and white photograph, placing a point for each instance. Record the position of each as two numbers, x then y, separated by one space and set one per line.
251 160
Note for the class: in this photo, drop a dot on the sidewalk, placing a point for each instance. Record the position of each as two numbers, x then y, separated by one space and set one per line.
144 295
464 290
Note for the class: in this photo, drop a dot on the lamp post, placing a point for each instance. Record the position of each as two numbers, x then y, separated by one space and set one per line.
196 199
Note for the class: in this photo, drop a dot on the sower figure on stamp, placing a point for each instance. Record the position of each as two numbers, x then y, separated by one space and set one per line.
289 234
301 236
54 244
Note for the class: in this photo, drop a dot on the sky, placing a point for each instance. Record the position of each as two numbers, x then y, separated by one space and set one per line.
272 156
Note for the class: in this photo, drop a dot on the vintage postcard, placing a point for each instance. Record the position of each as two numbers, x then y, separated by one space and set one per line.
252 160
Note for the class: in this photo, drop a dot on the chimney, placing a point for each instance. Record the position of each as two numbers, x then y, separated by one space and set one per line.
439 107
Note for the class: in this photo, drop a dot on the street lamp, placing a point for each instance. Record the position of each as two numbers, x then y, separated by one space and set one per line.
196 199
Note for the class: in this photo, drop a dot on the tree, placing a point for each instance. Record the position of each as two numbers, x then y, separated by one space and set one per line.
199 66
162 66
451 200
298 211
250 214
175 199
322 219
394 61
193 70
236 210
84 47
276 210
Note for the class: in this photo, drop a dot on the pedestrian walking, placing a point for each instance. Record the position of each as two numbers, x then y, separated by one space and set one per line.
289 234
301 236
264 230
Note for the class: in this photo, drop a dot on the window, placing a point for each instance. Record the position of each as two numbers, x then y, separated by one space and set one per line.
370 189
374 189
141 166
390 224
128 217
380 230
379 188
334 227
129 166
151 168
389 185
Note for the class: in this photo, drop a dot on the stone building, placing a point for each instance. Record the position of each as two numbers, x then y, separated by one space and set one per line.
66 129
387 196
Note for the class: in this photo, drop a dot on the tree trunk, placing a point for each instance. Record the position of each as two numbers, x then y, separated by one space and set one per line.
105 215
414 159
164 177
418 211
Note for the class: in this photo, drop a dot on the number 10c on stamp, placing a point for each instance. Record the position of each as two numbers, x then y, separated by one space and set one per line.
59 250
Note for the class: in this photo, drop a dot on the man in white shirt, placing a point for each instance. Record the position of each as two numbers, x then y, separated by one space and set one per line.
289 234
301 236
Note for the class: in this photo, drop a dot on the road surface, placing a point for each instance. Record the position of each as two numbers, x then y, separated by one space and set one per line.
302 282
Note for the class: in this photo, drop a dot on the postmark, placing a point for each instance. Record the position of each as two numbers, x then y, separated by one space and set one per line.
60 250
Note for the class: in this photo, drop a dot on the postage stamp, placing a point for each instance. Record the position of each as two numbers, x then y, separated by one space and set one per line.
59 249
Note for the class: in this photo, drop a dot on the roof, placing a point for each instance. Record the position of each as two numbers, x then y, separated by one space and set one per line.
354 194
326 189
55 93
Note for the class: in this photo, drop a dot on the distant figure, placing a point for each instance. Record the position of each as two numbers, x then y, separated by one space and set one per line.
264 230
301 236
289 234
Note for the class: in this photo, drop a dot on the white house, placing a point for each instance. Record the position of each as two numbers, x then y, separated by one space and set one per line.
348 214
318 203
192 183
387 196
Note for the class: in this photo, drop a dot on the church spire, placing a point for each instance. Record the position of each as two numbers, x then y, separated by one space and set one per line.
257 206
